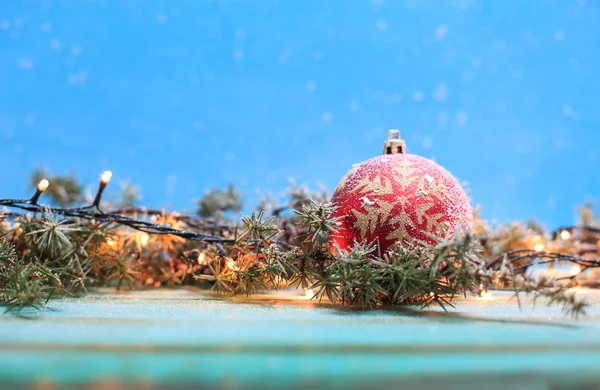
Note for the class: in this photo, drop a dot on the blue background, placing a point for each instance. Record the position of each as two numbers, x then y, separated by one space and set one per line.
183 96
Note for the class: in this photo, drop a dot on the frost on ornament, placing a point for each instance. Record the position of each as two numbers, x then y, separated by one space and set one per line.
367 202
398 197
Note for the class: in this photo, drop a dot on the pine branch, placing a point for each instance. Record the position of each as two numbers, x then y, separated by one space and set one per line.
25 284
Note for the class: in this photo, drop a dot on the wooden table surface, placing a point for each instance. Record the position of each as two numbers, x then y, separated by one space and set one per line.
179 337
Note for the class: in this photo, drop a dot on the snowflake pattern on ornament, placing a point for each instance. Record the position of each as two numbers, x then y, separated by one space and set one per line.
398 198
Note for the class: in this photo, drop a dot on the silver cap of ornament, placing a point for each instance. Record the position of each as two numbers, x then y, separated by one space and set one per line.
394 144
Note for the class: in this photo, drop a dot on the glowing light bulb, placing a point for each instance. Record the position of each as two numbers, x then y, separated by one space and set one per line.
539 247
565 235
485 295
201 258
144 239
106 176
576 270
43 185
110 242
229 263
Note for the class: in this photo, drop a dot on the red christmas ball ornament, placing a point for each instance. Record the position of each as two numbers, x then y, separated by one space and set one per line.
398 197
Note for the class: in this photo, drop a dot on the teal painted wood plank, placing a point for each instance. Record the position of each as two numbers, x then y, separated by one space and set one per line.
182 337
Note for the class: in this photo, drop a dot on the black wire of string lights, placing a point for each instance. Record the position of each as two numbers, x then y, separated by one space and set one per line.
94 212
524 259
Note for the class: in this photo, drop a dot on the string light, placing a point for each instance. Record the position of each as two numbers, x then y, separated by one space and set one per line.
575 270
144 237
309 293
539 247
485 295
119 218
202 258
230 263
41 187
104 180
105 177
565 235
